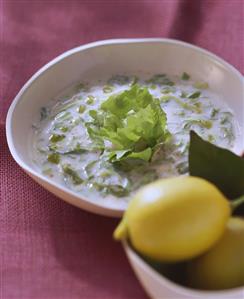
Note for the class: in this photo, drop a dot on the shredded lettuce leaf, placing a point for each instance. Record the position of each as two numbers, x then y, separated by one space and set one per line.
130 123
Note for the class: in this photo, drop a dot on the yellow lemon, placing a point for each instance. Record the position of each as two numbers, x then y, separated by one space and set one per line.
175 219
223 265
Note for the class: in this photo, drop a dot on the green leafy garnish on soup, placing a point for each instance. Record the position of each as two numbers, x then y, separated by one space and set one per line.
133 122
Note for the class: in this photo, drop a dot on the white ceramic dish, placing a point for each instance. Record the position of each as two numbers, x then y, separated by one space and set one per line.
106 58
159 287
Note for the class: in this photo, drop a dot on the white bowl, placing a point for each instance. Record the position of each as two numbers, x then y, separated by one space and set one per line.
106 58
159 287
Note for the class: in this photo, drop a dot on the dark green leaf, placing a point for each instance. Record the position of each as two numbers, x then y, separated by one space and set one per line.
72 174
56 138
217 165
194 95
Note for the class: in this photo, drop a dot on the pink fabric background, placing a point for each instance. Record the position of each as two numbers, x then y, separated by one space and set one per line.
49 249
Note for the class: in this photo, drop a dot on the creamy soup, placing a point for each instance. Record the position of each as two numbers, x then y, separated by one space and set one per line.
109 137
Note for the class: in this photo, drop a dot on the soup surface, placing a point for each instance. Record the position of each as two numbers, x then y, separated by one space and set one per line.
105 139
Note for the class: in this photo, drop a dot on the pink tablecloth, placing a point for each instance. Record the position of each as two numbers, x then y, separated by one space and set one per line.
49 249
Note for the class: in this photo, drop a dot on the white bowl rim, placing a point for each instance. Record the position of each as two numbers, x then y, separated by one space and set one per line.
171 284
116 211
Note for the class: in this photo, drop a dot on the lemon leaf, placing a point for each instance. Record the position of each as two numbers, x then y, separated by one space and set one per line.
218 165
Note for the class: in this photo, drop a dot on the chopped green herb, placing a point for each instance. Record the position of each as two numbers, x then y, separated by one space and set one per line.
228 134
225 117
64 115
201 85
81 108
153 86
214 112
181 113
117 190
224 120
64 129
182 104
194 95
69 104
160 79
53 158
167 90
185 76
108 88
70 172
90 99
77 150
201 122
105 174
183 94
52 147
198 104
102 176
56 138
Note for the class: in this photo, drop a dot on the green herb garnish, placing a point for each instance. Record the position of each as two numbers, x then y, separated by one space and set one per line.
167 90
183 104
183 94
185 76
200 122
194 95
201 85
102 175
214 112
225 118
90 99
228 133
53 158
133 121
63 115
108 88
64 129
160 79
56 138
72 174
81 109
